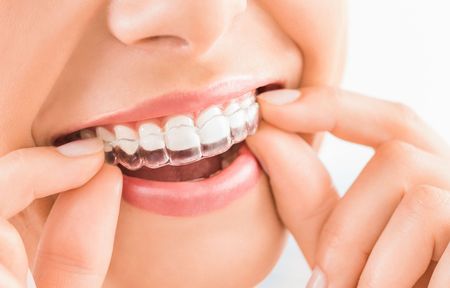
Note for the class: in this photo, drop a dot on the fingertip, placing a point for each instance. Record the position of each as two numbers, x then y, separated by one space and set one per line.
269 137
280 97
259 142
113 176
79 148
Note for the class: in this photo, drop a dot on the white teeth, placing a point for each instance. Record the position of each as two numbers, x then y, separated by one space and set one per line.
207 115
177 121
214 130
125 132
238 125
238 121
215 136
151 137
252 112
231 108
247 101
182 140
183 145
181 133
252 118
105 134
127 139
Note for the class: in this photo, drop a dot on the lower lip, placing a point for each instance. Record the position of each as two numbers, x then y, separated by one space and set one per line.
184 199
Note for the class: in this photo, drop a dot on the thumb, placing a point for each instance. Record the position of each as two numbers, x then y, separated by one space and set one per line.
77 242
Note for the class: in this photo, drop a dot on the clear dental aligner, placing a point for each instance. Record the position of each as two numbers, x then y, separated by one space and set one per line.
182 139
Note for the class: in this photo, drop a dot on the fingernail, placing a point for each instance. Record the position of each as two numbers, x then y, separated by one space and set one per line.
317 280
81 147
280 97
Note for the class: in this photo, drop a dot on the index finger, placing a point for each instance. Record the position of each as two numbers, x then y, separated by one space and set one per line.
350 116
303 192
31 173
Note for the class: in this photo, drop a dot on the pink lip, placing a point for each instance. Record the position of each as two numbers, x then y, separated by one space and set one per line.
178 102
184 199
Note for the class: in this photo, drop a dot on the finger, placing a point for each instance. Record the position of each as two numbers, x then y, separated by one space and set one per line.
441 275
361 215
32 173
417 233
77 241
7 278
350 116
12 251
302 188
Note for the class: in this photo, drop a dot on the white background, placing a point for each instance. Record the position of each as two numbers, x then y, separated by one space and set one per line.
398 50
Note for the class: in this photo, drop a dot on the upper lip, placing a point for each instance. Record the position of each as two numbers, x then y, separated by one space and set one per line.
175 102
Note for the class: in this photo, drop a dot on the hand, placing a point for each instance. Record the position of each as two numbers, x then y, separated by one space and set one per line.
76 243
392 228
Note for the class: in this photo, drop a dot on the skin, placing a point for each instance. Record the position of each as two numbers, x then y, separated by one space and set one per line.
392 227
53 90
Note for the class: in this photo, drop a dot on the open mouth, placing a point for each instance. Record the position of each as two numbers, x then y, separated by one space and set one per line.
177 148
187 164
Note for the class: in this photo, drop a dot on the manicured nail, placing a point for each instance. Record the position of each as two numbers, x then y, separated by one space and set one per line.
280 97
81 147
317 280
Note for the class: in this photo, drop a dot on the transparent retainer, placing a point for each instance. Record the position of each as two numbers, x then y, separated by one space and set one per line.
165 156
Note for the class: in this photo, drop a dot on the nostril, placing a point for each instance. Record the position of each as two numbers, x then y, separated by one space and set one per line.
162 41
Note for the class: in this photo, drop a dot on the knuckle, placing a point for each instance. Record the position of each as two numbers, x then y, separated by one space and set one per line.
329 91
408 119
397 152
427 198
406 113
333 235
331 94
13 161
66 263
368 281
17 156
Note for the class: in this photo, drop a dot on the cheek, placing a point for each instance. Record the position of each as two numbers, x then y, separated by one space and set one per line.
244 239
16 131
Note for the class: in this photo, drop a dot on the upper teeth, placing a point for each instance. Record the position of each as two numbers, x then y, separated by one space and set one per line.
182 140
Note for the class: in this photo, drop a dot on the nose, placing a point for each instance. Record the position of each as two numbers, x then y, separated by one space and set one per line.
172 24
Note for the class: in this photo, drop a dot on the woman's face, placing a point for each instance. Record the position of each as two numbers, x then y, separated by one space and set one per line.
138 52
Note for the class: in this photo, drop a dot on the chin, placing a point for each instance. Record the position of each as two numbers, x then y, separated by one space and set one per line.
234 246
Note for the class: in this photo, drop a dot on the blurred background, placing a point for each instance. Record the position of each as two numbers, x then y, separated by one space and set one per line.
398 50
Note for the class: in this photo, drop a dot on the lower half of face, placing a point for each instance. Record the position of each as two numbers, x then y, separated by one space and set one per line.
174 106
235 246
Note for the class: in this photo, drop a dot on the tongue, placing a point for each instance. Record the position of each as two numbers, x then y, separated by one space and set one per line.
199 169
